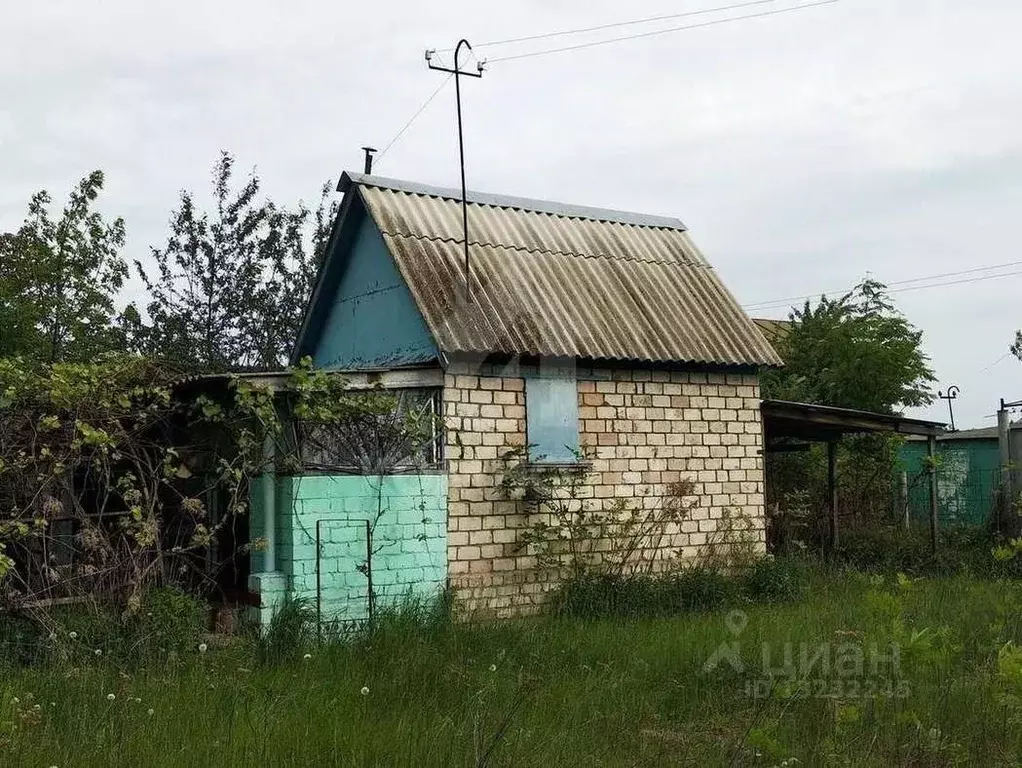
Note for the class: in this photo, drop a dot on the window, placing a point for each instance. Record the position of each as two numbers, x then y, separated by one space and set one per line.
551 411
403 437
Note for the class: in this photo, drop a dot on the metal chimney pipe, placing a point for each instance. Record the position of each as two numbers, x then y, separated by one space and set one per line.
369 159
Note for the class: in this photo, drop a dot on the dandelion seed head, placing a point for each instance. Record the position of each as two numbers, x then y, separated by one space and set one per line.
111 696
493 667
307 656
98 652
73 635
203 647
365 690
150 712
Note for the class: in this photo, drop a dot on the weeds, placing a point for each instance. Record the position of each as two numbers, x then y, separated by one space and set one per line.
559 690
291 630
685 590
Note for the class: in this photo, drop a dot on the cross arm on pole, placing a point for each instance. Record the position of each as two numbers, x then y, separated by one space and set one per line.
449 70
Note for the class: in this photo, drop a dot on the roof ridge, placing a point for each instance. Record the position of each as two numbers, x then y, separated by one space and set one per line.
548 207
507 247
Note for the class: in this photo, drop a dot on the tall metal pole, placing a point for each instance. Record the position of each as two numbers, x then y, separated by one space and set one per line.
1004 447
952 394
458 73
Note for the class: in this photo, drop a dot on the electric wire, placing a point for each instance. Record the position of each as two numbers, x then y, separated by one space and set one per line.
772 302
652 33
779 305
413 118
618 24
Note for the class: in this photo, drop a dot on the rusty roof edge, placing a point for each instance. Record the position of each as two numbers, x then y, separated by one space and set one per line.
349 179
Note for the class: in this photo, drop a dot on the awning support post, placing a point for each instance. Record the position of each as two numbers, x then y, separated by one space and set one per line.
832 494
931 456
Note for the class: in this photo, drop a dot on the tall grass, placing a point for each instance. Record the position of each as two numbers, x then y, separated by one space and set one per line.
416 690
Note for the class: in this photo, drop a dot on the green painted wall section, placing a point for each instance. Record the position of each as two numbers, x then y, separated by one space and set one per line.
409 549
967 478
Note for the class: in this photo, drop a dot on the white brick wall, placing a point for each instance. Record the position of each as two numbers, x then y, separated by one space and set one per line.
644 430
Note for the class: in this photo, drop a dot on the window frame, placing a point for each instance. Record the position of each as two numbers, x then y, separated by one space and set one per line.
543 389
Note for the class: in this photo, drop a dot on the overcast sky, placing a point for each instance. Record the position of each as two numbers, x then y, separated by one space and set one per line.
803 150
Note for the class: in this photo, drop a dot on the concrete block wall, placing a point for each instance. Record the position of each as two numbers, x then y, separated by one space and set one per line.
644 429
409 551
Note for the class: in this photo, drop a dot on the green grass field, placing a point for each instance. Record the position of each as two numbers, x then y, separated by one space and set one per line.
567 692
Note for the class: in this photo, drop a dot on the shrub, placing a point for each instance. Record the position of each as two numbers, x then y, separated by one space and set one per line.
690 589
168 621
891 550
23 642
165 623
701 589
776 579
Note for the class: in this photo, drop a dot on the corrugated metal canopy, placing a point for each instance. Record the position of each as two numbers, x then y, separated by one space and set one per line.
557 280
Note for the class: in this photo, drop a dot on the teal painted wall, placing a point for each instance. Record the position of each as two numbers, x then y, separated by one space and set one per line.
966 479
409 541
373 320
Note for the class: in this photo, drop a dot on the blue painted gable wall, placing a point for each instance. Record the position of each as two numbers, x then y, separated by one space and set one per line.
373 321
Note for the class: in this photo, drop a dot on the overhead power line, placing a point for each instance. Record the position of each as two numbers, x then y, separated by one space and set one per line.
996 362
618 24
648 20
896 282
413 118
655 32
778 303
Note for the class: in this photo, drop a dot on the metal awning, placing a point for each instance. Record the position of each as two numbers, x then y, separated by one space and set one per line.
788 426
824 423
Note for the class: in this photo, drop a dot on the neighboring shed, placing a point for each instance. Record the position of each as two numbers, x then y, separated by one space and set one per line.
968 475
583 330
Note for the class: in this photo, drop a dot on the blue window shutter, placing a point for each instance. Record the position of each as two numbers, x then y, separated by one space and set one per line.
551 410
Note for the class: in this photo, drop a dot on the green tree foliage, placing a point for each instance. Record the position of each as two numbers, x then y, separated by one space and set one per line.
109 469
59 280
1016 347
230 286
856 351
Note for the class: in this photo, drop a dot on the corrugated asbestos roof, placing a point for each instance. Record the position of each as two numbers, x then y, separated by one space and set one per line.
557 280
773 331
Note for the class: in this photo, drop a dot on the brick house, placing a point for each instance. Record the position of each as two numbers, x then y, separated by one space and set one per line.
583 330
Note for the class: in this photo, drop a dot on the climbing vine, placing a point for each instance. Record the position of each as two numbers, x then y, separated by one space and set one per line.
120 475
571 532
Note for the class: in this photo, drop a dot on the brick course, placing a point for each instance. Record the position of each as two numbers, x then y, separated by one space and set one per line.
643 430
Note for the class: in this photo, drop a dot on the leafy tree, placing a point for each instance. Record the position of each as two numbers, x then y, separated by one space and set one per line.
59 280
230 286
1016 347
856 351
